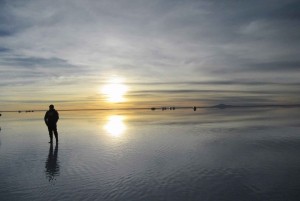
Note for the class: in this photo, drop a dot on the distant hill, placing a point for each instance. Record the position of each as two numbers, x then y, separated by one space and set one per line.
223 106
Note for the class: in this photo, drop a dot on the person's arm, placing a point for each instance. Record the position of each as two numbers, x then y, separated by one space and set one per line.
57 116
46 119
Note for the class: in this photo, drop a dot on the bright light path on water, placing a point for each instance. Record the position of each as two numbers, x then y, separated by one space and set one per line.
115 126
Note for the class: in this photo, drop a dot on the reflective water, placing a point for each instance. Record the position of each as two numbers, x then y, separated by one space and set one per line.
233 154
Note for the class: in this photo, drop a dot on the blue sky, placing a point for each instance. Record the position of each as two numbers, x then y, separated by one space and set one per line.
200 52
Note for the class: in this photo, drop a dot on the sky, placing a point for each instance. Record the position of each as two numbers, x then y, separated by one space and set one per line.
71 53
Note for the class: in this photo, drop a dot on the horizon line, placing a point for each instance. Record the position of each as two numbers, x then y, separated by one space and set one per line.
219 106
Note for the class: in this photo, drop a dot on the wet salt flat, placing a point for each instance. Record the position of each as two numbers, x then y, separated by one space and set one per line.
231 154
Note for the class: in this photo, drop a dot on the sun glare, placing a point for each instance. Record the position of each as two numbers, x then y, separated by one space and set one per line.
115 126
114 91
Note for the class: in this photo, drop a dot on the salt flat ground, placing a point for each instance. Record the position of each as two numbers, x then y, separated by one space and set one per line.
211 154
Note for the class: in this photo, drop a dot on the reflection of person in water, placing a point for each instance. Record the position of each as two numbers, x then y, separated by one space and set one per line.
51 118
52 165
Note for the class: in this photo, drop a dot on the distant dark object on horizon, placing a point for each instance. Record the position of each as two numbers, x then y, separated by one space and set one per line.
194 108
153 108
0 115
165 108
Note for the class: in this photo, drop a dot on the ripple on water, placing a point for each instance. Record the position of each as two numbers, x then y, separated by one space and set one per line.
166 163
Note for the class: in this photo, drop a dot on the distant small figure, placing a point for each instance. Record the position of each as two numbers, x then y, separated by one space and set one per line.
194 108
51 118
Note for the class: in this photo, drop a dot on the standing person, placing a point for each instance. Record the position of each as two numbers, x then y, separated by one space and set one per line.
51 118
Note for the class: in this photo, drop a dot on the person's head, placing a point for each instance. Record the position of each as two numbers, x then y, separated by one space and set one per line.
51 107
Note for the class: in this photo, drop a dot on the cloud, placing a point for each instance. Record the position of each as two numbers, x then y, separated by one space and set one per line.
4 33
2 49
288 11
266 67
209 91
217 82
186 44
33 62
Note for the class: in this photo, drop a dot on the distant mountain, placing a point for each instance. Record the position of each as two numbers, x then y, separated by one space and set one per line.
223 106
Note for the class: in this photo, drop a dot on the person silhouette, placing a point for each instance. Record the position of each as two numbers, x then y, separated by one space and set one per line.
52 165
51 118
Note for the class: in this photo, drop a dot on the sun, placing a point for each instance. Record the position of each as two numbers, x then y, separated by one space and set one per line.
114 91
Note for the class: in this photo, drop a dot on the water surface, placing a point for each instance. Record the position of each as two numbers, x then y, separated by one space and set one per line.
231 154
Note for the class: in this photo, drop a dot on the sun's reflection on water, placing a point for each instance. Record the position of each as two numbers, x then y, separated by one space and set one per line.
115 126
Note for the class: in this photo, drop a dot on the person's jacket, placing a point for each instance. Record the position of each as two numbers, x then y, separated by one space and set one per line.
51 117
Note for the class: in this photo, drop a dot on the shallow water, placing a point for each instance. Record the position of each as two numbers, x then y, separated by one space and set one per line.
212 154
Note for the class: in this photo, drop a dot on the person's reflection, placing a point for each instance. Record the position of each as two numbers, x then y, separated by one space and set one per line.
52 165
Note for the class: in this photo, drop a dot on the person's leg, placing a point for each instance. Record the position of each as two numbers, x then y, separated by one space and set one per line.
50 133
55 132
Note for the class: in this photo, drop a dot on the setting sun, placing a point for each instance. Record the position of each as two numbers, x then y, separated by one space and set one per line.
114 91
